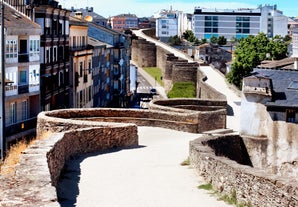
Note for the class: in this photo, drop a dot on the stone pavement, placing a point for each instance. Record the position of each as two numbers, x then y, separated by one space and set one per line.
147 176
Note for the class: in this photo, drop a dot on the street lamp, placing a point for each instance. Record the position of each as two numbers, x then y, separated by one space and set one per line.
2 138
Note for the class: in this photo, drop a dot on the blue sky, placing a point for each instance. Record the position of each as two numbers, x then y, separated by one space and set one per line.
142 8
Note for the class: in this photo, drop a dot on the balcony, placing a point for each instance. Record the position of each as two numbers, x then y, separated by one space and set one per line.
23 57
23 89
21 126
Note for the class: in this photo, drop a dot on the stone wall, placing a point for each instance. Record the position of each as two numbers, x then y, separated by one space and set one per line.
59 139
143 53
251 185
206 114
205 91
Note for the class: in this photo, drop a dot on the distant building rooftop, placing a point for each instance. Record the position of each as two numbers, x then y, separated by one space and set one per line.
285 87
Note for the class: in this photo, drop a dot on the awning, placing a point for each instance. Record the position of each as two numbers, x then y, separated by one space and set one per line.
7 81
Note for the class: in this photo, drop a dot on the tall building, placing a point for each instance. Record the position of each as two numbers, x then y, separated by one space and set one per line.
55 62
124 21
81 80
167 24
102 65
238 23
22 74
117 66
227 22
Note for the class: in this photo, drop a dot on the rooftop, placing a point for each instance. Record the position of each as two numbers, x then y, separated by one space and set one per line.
285 86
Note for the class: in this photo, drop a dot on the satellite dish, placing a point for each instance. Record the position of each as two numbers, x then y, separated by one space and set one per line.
88 18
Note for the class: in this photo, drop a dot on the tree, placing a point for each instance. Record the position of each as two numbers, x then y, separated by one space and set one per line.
174 40
187 34
221 40
251 51
213 40
204 40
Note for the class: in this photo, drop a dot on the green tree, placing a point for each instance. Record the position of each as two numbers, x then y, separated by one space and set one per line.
187 34
221 40
174 40
204 40
251 51
213 40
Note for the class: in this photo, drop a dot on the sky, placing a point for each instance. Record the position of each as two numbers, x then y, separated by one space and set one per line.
147 8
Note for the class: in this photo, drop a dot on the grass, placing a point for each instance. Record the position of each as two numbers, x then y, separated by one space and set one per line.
7 167
229 199
182 90
156 73
185 162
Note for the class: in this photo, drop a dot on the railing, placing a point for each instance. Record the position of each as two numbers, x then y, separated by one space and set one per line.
20 126
23 89
23 57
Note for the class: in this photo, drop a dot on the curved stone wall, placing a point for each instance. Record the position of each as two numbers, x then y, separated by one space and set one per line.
207 114
252 186
69 132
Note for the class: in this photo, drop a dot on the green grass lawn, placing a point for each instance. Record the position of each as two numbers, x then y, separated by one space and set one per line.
183 90
155 73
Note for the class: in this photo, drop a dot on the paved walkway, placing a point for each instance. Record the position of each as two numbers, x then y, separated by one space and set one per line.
214 79
147 176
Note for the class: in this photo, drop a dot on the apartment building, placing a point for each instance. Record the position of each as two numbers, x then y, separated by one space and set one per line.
22 72
102 62
54 50
167 24
89 14
238 23
117 65
124 21
80 75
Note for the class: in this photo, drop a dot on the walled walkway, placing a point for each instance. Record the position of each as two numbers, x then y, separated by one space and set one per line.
147 176
214 79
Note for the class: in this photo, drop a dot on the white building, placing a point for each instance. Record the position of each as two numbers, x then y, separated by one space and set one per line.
238 23
167 24
273 22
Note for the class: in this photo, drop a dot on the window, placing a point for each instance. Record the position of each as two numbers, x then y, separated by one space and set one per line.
34 47
291 115
55 54
11 50
13 113
23 77
61 78
81 69
25 110
89 66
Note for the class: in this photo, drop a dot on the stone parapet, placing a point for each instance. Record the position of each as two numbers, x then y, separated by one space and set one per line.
251 186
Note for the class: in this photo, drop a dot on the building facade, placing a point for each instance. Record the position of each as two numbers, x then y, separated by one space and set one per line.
124 21
55 62
118 63
102 65
89 14
238 23
22 72
269 119
80 75
229 23
167 24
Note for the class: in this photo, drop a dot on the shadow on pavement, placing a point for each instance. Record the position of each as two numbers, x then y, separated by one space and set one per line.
68 185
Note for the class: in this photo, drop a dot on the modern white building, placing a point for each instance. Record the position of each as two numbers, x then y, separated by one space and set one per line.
167 24
238 23
273 22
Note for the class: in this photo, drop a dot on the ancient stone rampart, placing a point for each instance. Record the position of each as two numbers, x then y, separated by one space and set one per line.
143 53
70 132
252 186
205 91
